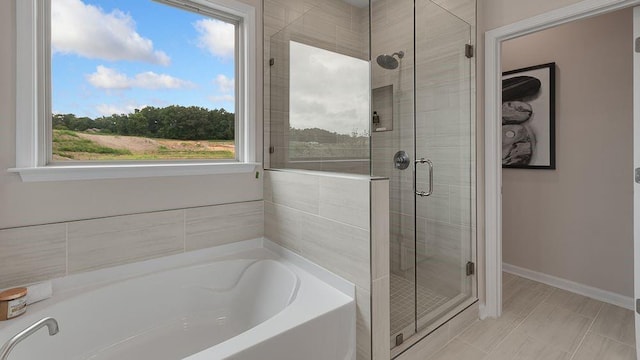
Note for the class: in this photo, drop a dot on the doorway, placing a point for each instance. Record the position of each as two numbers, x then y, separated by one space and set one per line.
493 131
558 222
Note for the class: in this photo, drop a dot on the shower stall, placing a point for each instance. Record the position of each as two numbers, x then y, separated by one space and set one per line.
423 140
386 88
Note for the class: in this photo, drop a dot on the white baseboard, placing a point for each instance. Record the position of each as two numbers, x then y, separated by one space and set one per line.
574 287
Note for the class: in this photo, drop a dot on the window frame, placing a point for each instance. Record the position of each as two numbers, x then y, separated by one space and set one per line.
33 101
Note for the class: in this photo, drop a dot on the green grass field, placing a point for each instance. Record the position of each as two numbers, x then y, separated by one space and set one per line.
71 145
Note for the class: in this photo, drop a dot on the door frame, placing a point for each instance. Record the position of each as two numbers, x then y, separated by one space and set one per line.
492 305
636 164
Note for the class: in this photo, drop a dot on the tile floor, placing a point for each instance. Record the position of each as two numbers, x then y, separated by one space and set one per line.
403 296
541 322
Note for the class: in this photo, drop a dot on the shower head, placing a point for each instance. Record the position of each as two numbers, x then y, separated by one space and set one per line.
389 62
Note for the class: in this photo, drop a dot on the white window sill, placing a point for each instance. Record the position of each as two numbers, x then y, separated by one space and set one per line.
124 171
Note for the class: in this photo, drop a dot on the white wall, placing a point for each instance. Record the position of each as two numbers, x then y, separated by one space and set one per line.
39 203
576 222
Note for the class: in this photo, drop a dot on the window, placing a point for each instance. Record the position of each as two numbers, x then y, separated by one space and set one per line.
150 88
329 97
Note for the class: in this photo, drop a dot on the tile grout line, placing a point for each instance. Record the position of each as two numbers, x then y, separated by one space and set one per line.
615 340
606 335
573 355
66 249
184 230
459 338
320 216
524 319
445 345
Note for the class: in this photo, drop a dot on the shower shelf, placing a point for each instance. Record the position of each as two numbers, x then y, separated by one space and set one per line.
382 107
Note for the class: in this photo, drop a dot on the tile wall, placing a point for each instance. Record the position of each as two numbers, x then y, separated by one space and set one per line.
326 218
442 107
37 253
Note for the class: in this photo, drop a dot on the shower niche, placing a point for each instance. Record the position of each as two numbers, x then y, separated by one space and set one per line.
382 108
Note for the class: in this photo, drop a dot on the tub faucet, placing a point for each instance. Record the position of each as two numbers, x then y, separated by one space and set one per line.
49 322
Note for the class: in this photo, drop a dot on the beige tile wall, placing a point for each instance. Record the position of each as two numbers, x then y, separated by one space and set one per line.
380 276
37 253
392 31
32 254
327 219
443 120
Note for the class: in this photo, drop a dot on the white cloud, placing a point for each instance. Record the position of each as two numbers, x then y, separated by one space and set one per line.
151 80
112 79
225 85
110 109
86 30
328 90
221 98
217 37
225 95
106 78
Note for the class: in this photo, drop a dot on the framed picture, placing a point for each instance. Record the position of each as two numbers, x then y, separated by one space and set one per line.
528 118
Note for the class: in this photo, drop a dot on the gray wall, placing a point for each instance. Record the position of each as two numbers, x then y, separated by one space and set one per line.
493 14
576 222
498 13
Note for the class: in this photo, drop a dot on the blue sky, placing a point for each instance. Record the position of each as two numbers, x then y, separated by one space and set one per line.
112 56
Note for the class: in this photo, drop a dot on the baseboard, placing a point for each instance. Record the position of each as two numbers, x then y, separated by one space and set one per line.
574 287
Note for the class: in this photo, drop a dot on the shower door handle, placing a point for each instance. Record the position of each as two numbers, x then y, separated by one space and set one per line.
425 193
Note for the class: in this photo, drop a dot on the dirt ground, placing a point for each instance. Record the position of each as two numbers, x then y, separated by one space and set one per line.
138 144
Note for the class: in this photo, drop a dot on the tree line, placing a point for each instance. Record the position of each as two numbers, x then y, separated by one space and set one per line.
322 136
172 122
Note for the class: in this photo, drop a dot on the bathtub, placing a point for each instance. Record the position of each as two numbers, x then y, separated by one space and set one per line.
250 300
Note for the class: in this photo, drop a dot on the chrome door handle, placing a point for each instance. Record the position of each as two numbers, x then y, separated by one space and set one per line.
428 162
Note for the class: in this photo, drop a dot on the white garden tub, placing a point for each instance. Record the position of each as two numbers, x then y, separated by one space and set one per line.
251 300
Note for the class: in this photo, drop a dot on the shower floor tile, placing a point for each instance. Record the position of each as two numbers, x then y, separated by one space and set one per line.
403 299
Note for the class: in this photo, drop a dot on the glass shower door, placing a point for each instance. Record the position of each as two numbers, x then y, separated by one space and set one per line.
444 181
422 106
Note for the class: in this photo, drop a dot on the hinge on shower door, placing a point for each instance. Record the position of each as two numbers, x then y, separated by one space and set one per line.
471 268
468 51
272 149
272 62
638 45
399 339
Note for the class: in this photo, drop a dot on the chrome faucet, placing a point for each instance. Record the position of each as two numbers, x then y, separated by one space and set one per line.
49 322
